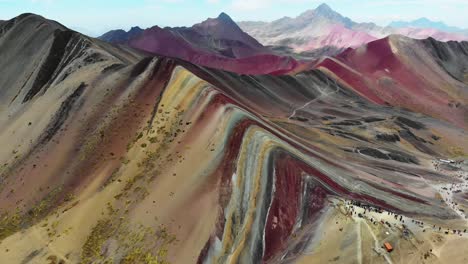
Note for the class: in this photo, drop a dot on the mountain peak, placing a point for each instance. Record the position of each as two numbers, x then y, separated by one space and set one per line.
423 19
225 17
24 15
222 22
324 8
223 27
325 11
135 28
121 36
31 18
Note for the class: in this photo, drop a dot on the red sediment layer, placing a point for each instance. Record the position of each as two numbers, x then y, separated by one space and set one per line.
399 194
289 183
353 80
286 204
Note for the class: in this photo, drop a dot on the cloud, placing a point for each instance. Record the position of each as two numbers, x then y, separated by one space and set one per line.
249 5
406 3
43 1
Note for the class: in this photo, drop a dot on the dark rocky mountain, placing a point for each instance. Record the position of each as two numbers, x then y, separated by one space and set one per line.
38 53
216 42
219 35
121 36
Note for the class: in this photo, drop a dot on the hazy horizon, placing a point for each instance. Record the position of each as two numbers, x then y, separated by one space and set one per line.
103 16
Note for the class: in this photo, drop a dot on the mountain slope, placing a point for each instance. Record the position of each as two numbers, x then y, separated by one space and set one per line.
122 157
409 73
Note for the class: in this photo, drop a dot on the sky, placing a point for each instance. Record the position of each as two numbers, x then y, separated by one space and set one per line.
95 17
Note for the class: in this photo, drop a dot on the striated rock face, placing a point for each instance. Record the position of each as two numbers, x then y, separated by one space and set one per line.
38 53
111 155
452 56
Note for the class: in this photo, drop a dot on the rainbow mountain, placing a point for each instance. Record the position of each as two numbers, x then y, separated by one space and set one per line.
201 145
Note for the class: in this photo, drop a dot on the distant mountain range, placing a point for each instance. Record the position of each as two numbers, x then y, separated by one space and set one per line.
324 27
427 23
312 34
120 36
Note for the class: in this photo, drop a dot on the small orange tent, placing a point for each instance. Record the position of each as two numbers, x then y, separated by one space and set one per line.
388 247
